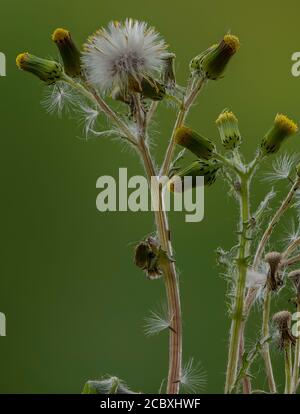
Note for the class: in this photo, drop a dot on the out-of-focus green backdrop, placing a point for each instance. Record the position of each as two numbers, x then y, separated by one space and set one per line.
74 302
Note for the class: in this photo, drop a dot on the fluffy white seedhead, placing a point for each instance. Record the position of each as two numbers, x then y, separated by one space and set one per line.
158 321
59 97
193 378
123 51
282 167
255 279
293 233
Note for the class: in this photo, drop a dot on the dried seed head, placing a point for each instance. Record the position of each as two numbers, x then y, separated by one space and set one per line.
146 257
282 321
274 280
48 71
68 51
168 72
212 62
294 276
191 140
207 169
282 128
229 130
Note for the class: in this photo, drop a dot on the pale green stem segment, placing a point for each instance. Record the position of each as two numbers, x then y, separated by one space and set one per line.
288 367
295 381
238 310
266 348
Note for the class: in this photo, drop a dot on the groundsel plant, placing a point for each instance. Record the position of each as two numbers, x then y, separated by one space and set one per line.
129 63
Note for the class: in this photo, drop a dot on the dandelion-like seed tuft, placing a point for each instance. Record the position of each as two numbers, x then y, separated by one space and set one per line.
121 52
193 377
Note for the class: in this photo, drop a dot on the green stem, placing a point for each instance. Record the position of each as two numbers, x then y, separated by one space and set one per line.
266 348
288 368
237 317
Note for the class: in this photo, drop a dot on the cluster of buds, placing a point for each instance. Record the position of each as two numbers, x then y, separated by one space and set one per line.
228 127
50 71
274 280
282 128
211 63
282 320
149 256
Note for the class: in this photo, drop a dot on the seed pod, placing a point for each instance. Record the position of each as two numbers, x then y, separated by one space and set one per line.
168 72
282 128
206 169
146 257
197 144
229 130
282 321
274 280
212 62
48 71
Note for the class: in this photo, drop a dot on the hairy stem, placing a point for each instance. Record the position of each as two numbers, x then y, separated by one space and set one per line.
170 279
251 293
237 317
295 380
266 348
283 207
187 103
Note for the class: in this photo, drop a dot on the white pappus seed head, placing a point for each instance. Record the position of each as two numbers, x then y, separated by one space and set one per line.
123 51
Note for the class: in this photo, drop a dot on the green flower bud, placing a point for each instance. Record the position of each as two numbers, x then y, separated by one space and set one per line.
207 169
213 61
148 88
229 130
298 169
198 145
282 128
48 71
68 51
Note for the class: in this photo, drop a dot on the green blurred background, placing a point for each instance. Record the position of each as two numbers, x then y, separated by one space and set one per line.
74 302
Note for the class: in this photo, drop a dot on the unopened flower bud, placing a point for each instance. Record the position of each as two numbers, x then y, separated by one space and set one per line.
191 140
148 88
146 257
207 169
229 130
48 71
298 169
212 62
282 128
282 320
274 280
69 52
